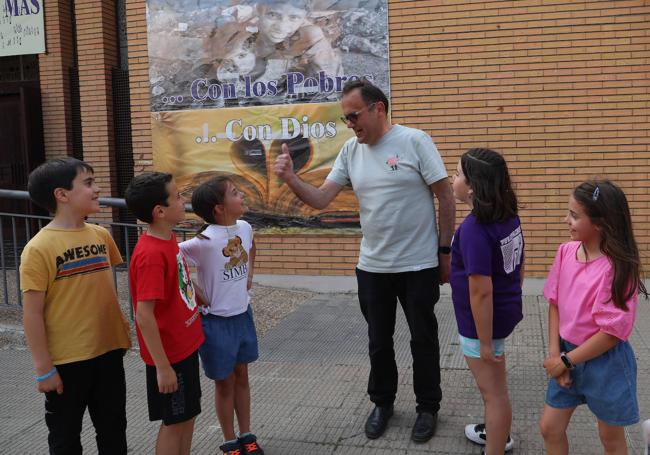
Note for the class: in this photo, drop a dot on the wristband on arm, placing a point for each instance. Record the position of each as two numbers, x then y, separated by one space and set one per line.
47 375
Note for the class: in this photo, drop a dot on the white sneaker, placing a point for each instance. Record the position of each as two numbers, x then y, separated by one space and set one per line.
476 433
646 436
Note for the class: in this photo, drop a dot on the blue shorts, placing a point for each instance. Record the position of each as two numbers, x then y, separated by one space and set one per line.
607 384
228 341
471 347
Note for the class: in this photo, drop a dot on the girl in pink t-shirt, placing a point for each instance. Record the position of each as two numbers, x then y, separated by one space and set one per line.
592 289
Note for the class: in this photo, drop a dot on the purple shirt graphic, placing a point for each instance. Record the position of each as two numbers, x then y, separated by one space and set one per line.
495 250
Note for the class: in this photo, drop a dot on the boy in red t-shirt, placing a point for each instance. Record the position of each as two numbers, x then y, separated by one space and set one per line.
166 313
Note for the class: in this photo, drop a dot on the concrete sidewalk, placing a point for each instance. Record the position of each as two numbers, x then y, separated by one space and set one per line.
309 390
532 286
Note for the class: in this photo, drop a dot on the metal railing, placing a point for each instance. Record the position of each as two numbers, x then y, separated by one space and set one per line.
16 229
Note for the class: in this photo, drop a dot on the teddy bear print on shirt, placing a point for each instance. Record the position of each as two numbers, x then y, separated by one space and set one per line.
235 251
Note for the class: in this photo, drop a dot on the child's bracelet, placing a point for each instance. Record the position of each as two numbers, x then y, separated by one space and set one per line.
49 374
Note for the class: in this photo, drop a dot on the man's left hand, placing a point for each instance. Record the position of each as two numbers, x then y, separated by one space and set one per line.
444 264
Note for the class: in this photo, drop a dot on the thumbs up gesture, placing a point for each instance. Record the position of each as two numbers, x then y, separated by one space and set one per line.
283 166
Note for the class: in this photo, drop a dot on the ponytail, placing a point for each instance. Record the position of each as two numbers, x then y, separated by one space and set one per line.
200 234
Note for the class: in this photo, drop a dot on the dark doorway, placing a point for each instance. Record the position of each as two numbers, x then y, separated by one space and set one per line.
21 150
21 124
10 143
21 137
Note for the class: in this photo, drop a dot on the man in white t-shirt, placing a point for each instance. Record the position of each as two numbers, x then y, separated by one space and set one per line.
394 171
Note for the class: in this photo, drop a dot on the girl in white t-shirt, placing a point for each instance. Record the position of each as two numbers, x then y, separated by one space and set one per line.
223 253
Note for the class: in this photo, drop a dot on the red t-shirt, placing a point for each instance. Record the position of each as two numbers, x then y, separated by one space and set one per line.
158 271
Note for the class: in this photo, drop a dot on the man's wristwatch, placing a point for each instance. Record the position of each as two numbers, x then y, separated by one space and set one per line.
444 250
566 361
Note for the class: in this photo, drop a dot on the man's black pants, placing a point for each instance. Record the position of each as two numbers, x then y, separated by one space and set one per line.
100 385
417 293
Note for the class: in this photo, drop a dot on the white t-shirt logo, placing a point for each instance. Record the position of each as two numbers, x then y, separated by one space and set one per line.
235 253
512 248
393 162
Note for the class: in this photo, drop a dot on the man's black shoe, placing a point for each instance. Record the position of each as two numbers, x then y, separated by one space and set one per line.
424 427
377 421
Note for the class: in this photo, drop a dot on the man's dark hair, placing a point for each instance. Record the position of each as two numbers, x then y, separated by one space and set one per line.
145 192
53 174
369 92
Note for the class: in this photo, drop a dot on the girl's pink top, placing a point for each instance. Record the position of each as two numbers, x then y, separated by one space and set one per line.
582 292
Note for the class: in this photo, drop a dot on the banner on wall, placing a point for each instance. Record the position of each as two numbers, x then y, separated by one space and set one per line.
22 31
243 143
231 81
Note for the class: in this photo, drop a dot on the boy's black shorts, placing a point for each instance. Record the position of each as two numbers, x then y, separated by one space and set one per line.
182 405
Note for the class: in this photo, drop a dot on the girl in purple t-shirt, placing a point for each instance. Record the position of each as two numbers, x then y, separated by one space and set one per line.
486 276
592 289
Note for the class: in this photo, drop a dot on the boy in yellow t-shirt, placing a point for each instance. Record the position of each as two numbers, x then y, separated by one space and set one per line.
75 329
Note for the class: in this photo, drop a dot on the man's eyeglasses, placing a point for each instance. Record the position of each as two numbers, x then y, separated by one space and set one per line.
352 117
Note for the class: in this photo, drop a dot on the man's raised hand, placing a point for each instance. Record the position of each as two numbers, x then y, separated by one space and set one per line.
283 166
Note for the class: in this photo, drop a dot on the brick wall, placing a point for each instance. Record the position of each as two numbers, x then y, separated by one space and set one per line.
54 79
560 87
136 24
316 254
97 54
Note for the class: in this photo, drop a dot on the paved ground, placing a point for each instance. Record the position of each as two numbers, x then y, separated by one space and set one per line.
309 390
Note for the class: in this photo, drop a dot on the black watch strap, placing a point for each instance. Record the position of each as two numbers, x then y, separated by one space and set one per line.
444 250
567 361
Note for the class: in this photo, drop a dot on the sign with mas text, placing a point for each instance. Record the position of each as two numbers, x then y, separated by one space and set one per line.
22 29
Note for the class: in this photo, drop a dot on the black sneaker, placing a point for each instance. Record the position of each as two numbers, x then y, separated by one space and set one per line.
249 445
476 433
231 448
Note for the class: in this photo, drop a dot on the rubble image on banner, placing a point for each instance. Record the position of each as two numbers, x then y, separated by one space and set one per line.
229 54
